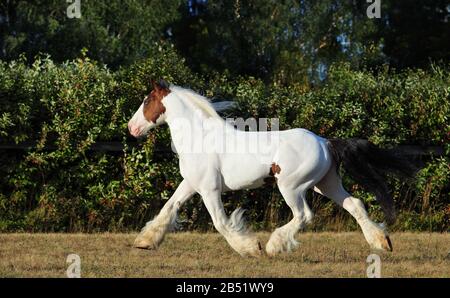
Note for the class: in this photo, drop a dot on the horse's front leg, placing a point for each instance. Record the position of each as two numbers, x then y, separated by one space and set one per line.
233 227
153 233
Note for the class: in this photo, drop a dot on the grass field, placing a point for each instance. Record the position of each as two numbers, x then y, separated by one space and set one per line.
208 255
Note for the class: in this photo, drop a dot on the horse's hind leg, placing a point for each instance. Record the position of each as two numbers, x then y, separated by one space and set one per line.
233 227
331 186
282 239
153 233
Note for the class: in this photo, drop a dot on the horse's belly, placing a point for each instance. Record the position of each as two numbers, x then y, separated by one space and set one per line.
243 171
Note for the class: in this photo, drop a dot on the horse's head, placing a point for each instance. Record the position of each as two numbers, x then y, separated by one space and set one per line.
151 113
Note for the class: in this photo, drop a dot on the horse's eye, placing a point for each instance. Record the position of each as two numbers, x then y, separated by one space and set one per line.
146 101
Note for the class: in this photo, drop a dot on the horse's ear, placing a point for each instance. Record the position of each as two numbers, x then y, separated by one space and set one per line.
163 84
153 83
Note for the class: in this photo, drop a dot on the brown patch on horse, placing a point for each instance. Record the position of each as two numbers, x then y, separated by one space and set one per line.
153 107
274 169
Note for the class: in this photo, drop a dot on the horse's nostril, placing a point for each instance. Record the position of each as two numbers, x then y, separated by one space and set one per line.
131 128
134 130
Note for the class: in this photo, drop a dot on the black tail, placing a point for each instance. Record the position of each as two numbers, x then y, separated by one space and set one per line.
368 166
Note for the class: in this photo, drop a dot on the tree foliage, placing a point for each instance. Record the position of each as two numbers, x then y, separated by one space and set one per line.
60 184
115 32
284 41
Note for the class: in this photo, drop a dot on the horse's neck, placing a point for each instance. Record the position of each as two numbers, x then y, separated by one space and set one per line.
186 124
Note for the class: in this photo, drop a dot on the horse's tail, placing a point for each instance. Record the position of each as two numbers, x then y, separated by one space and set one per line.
368 166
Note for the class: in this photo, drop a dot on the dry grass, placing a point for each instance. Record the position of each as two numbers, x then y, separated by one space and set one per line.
208 255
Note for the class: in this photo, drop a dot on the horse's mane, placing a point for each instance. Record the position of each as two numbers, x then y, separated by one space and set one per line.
198 101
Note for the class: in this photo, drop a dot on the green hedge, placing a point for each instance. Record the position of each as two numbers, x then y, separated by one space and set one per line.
70 106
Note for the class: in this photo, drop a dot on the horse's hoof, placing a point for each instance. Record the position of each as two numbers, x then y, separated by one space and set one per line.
260 247
388 244
259 252
256 251
143 244
142 247
384 243
246 246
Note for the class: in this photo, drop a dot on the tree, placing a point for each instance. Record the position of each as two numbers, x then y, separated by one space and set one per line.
115 32
285 41
416 33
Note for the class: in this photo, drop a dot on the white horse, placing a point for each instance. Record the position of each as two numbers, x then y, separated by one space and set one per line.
213 159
